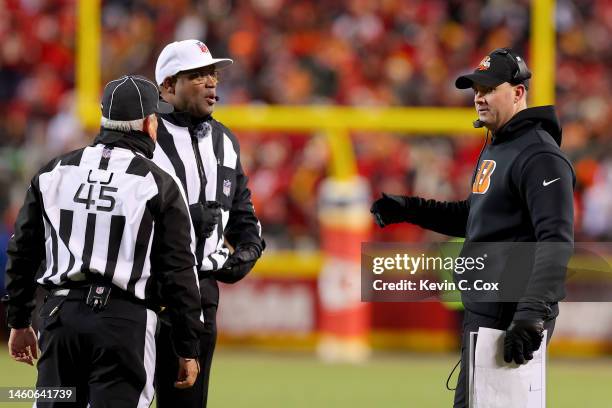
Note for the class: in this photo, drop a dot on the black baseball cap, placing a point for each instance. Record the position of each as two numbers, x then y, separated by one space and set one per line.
132 97
501 65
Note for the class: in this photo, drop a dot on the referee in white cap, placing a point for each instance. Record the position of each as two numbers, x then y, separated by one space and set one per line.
107 233
205 156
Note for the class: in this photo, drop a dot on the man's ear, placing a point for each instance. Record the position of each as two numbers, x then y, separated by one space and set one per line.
149 126
519 92
169 85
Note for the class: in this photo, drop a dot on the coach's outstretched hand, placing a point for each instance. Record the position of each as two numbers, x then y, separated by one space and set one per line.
523 337
390 209
189 368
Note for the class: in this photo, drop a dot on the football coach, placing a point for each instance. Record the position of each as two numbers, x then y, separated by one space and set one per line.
522 191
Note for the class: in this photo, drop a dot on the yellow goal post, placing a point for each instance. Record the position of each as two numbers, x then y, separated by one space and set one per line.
335 121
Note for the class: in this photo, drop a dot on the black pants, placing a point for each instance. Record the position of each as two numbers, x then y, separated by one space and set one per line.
471 322
167 396
109 356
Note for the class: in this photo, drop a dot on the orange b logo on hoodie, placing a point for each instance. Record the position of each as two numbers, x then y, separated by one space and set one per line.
482 182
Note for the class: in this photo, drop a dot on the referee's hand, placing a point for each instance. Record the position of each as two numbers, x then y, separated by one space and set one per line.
23 346
189 368
205 218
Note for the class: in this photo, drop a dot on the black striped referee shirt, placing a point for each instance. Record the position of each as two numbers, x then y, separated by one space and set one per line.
105 211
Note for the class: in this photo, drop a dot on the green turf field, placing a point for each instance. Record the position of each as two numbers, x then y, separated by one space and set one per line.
250 379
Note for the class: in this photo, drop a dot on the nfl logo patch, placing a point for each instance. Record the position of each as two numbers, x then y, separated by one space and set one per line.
106 153
203 47
227 187
100 290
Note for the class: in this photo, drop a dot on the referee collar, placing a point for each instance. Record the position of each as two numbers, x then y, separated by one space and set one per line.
136 141
185 119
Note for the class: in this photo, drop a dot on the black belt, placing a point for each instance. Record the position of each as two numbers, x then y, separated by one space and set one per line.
82 292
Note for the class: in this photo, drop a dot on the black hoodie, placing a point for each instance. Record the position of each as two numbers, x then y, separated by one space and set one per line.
523 185
522 191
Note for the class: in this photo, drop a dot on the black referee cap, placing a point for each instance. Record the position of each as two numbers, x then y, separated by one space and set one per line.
132 97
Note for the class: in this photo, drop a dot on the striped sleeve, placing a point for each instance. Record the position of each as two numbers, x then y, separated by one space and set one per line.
174 264
243 226
26 252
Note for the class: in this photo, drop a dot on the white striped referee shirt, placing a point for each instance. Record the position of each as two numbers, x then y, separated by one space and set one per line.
104 212
205 157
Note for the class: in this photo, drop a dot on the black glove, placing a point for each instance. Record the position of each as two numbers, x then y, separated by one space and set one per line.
233 273
523 337
390 209
244 253
205 217
238 264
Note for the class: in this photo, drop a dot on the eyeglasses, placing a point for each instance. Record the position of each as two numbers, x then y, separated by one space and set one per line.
199 75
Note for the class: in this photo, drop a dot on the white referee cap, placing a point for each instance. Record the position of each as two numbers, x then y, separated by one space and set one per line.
183 56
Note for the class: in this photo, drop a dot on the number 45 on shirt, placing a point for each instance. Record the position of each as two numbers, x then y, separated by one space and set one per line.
106 200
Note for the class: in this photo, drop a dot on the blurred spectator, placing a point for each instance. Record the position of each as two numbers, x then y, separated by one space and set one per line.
350 52
597 212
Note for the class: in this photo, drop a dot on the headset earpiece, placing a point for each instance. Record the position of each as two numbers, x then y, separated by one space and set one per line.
521 73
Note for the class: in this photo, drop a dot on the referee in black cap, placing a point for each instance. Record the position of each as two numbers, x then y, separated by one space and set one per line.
108 235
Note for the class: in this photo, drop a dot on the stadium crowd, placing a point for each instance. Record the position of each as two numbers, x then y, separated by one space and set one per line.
294 52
